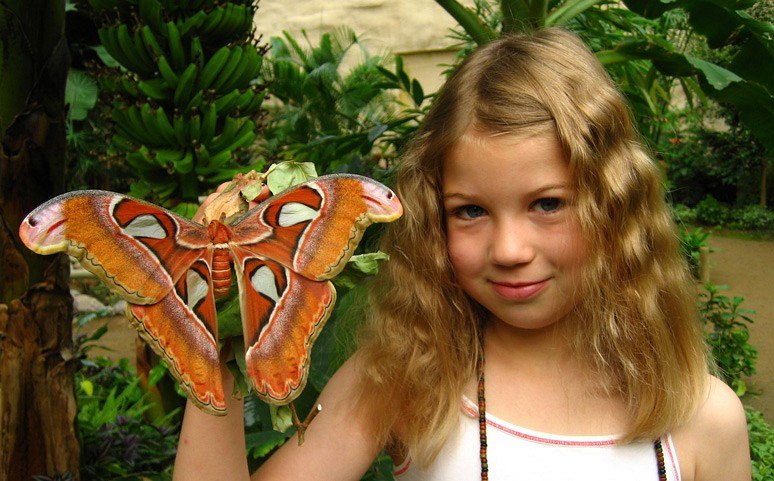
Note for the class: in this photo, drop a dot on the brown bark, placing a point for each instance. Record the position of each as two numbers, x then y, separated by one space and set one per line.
36 380
37 399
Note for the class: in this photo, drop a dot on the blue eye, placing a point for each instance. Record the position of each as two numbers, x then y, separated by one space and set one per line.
469 212
549 204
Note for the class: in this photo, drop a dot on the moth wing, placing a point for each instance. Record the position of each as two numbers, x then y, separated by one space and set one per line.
182 329
282 315
138 249
314 228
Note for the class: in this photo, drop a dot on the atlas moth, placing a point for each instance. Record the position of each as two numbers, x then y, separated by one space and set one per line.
170 269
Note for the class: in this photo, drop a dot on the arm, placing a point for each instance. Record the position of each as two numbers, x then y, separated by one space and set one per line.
715 442
212 447
338 445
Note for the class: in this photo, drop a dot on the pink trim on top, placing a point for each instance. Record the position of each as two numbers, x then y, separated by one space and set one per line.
399 470
670 451
595 441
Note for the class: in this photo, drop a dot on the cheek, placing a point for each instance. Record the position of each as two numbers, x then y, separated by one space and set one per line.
462 254
571 248
571 259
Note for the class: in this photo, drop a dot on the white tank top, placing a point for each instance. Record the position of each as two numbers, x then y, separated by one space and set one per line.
515 453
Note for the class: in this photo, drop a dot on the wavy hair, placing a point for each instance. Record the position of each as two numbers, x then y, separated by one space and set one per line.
637 321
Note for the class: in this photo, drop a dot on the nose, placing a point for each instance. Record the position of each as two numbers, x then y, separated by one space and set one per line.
512 243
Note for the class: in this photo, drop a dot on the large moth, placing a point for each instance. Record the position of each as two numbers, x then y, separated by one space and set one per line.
171 269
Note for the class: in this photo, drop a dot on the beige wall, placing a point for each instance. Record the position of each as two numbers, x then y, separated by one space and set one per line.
417 29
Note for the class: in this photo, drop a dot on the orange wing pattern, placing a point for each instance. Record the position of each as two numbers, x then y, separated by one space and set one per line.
283 251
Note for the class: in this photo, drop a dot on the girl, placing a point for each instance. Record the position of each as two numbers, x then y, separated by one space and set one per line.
535 321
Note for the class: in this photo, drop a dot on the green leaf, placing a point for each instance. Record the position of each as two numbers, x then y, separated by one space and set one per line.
287 174
156 373
756 108
241 378
87 387
250 192
569 10
281 418
468 20
368 263
262 443
375 132
80 94
516 15
717 76
186 209
229 316
358 268
417 94
649 8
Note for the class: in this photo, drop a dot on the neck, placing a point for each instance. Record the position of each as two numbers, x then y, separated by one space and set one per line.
512 346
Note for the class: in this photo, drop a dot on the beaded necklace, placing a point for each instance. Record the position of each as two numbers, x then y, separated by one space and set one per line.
482 430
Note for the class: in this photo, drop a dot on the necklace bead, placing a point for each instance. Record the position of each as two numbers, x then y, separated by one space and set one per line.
657 446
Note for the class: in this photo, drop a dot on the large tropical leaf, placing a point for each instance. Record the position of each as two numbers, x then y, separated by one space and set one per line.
80 94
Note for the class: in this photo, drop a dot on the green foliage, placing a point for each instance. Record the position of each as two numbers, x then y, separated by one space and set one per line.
117 442
691 244
80 95
185 100
711 212
340 120
728 336
284 175
91 161
683 214
99 291
380 470
752 217
761 446
726 164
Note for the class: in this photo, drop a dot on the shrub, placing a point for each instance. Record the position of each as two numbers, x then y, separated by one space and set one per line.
761 446
711 212
752 217
728 336
691 243
341 120
683 214
116 440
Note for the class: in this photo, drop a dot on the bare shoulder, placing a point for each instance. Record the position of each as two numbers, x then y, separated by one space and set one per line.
339 443
714 443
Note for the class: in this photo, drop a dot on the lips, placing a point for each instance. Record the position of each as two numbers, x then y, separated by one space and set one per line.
519 291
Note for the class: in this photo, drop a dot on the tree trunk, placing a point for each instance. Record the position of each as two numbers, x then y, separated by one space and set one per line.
36 374
37 398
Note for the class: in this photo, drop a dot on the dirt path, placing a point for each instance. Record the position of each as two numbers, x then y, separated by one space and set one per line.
747 267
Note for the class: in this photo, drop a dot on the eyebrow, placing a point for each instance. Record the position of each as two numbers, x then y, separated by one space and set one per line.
535 192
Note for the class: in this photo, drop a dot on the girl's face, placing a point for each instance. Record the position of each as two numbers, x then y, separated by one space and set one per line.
513 236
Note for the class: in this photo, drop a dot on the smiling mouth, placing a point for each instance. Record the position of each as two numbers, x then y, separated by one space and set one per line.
519 291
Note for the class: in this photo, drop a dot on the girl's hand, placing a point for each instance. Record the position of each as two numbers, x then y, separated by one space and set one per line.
339 444
213 447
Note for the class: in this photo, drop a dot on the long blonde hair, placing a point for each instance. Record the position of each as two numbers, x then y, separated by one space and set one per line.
637 319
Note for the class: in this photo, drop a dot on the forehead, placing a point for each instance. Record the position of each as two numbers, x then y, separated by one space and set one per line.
489 161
